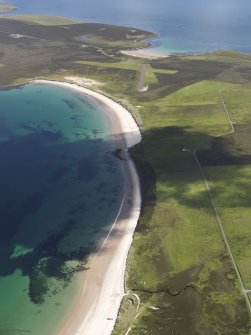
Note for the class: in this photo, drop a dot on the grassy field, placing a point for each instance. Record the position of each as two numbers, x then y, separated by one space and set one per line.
128 65
224 57
150 73
45 20
178 264
178 247
48 47
235 210
101 42
227 166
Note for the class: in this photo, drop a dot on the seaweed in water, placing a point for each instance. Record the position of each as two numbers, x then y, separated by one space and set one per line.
87 168
46 262
70 103
58 174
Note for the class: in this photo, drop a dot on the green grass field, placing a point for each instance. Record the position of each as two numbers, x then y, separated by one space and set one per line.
150 77
229 178
114 43
45 20
231 188
224 57
178 243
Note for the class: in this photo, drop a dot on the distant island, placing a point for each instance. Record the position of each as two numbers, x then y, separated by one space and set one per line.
6 7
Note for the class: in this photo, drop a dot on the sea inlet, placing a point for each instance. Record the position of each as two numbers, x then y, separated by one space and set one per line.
61 187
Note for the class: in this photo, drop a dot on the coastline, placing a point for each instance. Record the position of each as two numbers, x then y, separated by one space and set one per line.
144 53
97 307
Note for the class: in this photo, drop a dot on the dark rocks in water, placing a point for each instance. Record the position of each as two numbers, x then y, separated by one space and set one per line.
33 203
74 210
38 287
12 214
70 103
52 136
87 169
122 154
42 136
58 174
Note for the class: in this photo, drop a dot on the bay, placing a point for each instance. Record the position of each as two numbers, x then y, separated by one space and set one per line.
61 187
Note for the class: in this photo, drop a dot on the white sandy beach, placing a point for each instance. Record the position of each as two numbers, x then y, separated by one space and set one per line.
144 53
97 306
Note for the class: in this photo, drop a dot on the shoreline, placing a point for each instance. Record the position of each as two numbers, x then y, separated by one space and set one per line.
144 53
96 309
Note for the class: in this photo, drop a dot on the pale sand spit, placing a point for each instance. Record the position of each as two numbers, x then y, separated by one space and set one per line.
144 53
84 81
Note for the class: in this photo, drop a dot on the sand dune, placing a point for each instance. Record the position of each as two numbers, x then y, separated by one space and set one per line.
144 53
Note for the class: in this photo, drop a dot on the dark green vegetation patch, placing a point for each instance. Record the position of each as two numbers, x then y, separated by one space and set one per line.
31 50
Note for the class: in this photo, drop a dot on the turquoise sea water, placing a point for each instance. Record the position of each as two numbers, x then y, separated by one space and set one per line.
61 187
183 25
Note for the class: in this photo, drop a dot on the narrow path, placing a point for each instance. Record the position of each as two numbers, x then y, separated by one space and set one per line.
101 50
28 36
228 116
137 308
141 87
138 300
222 229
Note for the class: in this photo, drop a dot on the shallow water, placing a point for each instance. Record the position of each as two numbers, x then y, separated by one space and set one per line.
61 187
183 25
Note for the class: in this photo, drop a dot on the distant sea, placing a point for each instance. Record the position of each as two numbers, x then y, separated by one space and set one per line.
186 26
61 187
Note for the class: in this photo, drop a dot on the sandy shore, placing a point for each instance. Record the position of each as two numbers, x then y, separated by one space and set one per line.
83 81
97 306
144 53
